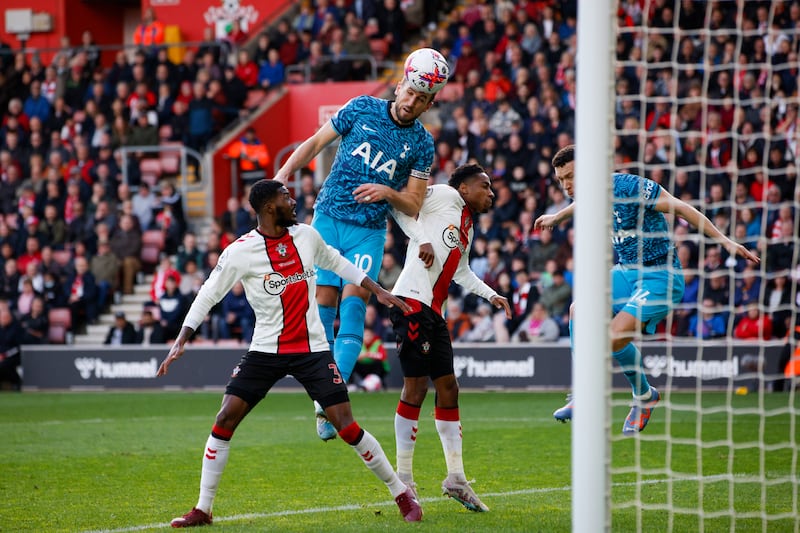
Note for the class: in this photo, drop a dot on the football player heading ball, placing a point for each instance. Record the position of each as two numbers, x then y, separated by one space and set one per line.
383 161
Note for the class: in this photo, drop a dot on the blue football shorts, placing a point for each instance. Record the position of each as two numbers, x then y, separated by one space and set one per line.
649 293
361 246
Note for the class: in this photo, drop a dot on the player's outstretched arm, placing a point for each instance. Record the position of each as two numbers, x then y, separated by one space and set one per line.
307 151
667 203
385 297
176 351
551 221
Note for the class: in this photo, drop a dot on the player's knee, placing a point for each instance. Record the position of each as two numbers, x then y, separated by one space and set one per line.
227 420
340 415
618 344
353 308
414 392
447 390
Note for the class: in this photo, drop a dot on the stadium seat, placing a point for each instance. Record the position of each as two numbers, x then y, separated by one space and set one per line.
451 92
150 166
60 323
150 179
254 98
153 237
379 49
152 245
170 162
149 257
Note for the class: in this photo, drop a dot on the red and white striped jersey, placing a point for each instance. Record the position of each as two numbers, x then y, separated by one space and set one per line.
279 278
445 221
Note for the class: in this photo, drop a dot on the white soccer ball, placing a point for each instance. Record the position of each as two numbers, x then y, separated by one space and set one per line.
371 383
427 70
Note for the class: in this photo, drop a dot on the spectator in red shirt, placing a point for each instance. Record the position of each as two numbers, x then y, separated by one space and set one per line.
32 251
497 84
755 325
236 35
165 270
246 69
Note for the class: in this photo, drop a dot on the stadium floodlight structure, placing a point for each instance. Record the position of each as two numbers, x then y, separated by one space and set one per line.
590 373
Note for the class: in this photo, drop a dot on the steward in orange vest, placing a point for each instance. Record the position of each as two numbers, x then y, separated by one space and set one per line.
251 152
150 32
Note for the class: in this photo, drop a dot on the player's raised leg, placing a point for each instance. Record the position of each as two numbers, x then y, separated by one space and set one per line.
215 457
629 358
350 338
364 248
369 450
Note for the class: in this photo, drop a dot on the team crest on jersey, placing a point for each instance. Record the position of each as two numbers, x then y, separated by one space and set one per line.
235 372
426 347
281 248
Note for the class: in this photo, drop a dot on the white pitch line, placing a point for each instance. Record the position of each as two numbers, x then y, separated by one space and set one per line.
352 507
251 418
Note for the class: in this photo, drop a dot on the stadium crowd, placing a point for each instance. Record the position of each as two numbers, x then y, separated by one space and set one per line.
710 115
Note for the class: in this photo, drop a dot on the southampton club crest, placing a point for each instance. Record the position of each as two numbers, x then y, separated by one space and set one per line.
228 11
281 249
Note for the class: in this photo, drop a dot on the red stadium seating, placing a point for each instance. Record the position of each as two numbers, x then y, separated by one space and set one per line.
152 245
60 323
379 48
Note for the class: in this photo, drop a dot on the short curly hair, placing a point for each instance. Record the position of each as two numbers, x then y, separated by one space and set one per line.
463 173
564 156
262 192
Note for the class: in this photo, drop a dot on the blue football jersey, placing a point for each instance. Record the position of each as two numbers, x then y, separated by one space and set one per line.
373 149
641 234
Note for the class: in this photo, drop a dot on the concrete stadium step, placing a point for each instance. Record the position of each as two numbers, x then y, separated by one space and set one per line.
196 203
130 304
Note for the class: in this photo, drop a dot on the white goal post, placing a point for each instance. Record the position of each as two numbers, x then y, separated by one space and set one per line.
590 374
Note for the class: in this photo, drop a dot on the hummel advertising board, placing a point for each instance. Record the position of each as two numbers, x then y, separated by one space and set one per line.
477 366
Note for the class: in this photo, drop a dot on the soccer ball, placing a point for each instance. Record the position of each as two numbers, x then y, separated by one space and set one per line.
371 383
426 70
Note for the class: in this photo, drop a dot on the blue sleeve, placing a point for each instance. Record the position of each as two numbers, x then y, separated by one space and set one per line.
342 121
650 191
424 160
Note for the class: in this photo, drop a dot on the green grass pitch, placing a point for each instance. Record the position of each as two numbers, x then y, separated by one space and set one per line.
125 461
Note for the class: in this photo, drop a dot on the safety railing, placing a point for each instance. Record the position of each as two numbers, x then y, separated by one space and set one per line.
304 69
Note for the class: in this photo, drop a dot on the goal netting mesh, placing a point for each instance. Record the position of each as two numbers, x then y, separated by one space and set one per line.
706 104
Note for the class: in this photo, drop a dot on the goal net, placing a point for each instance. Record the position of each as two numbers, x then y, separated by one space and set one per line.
706 104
